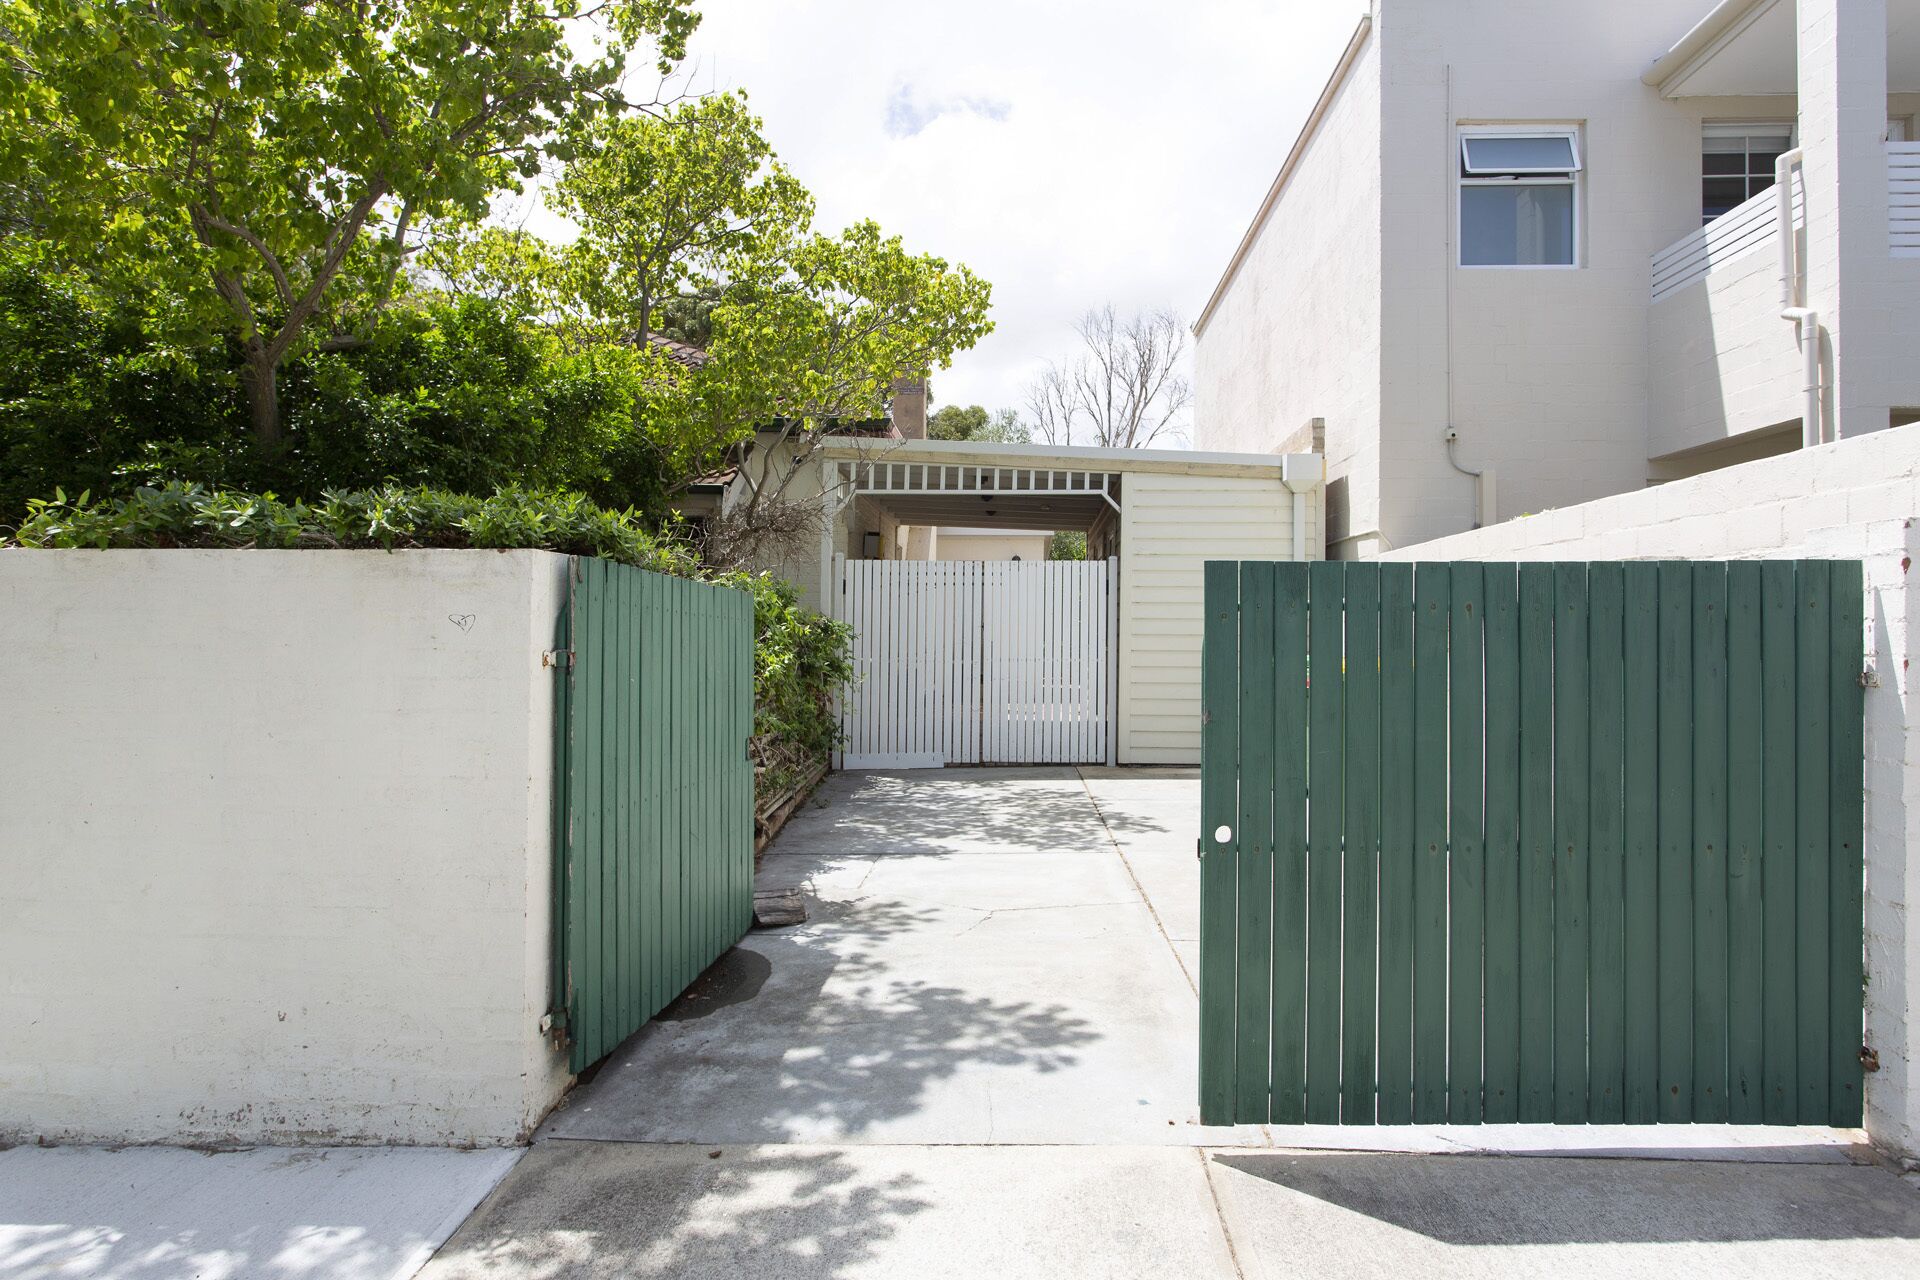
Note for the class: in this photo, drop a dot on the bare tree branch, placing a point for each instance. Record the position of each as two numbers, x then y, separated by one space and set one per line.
1123 390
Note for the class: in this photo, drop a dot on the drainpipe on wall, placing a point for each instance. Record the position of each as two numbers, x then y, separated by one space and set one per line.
1792 297
1483 514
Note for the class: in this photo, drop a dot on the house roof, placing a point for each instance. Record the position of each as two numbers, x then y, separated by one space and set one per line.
681 353
1299 149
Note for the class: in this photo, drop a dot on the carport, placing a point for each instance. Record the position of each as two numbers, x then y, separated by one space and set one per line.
1066 663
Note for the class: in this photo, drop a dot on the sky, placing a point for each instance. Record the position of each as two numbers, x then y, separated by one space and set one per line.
1072 153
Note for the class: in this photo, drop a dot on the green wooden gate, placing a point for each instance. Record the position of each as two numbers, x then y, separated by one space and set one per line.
1550 842
653 812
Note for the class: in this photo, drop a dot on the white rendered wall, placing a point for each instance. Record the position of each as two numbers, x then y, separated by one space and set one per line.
1296 333
1857 499
958 545
1721 360
1170 526
275 847
1549 378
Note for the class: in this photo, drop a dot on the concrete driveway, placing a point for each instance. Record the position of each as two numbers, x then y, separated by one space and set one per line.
976 1058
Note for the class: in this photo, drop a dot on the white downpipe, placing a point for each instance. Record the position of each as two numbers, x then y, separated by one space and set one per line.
1299 504
1792 300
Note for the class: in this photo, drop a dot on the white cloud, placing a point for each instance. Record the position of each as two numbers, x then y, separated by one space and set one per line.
908 112
1074 153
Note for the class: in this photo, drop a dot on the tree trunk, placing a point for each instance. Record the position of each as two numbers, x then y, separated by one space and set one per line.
261 378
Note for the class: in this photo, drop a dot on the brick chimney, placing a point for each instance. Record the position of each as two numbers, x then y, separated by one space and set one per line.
908 408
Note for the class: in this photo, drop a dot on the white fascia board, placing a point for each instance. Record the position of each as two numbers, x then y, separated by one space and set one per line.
1055 457
1723 22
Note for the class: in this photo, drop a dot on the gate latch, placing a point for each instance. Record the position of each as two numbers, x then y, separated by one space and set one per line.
1869 679
556 658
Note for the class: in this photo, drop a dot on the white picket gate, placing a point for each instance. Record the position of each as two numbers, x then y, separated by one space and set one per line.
970 662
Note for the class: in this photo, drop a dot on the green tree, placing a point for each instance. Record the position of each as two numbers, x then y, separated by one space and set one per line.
674 204
974 423
1067 545
267 161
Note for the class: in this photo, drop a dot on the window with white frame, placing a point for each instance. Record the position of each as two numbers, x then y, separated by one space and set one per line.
1736 163
1519 197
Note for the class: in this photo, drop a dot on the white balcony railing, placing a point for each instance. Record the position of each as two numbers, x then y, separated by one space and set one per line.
1738 231
1903 198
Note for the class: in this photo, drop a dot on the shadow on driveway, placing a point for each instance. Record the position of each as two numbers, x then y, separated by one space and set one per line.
1478 1201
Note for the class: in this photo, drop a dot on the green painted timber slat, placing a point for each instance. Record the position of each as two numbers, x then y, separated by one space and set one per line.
1745 908
1326 791
1466 861
1571 715
1219 770
1710 843
1606 894
1640 842
1779 1023
1536 843
1501 1087
1433 609
1290 845
1397 859
1846 818
1568 842
1813 743
1361 870
652 713
1253 972
593 660
1675 801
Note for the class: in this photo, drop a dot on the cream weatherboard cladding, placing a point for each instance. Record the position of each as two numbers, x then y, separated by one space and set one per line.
1170 526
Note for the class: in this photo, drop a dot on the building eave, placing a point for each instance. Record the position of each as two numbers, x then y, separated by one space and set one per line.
1724 21
1322 104
1041 457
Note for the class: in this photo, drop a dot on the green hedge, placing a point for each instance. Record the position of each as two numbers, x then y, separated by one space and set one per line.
191 515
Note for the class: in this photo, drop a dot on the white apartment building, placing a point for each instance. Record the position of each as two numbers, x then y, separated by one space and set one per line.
1542 242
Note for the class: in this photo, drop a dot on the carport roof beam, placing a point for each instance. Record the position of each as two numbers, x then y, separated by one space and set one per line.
893 479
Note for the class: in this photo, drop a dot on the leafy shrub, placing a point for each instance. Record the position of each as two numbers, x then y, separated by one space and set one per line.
190 515
100 393
801 658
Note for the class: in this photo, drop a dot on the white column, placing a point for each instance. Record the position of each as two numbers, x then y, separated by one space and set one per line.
1843 124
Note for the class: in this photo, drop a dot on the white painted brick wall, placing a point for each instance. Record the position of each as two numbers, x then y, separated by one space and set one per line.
1858 499
1721 359
275 846
1296 335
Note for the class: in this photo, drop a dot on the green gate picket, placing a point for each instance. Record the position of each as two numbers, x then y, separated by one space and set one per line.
1397 856
1606 863
1710 985
1501 1087
1325 792
1362 849
1674 737
1570 830
1846 815
1433 607
1253 969
1466 868
653 804
1745 911
1640 835
1219 791
1289 1094
1569 842
1536 843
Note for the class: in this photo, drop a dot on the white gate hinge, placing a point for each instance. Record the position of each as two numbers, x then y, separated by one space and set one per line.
1869 679
556 658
